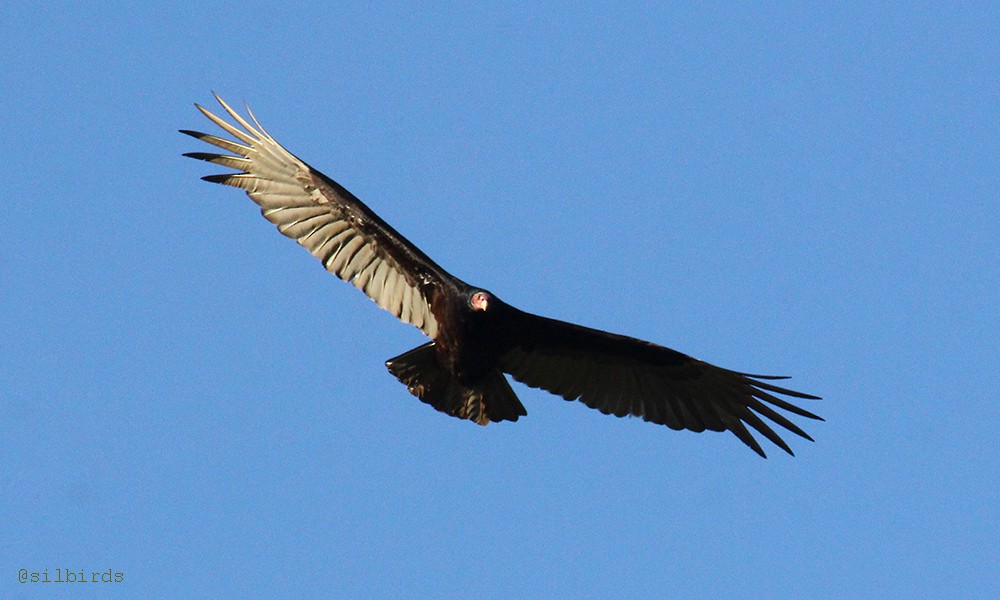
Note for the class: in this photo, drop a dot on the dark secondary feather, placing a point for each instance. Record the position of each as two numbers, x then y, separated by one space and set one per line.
614 374
621 376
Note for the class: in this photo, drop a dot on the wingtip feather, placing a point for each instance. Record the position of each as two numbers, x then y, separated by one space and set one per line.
223 179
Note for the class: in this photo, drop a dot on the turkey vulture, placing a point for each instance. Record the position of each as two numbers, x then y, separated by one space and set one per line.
476 337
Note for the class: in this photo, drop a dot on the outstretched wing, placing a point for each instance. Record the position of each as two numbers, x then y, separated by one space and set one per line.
349 239
621 376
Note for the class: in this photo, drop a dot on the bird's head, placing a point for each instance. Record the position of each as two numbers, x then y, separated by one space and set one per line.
480 301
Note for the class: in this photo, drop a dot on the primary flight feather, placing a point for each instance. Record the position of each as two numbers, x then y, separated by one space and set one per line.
476 336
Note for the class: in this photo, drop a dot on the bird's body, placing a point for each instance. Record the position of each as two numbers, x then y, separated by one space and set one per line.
476 336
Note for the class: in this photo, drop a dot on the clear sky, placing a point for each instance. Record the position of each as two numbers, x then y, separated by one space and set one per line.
187 398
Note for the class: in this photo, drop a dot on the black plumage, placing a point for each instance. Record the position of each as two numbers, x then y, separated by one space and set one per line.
476 336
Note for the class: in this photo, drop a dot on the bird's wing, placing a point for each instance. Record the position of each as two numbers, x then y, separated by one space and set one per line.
621 376
349 239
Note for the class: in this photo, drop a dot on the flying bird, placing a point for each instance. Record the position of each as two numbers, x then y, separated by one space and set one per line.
476 337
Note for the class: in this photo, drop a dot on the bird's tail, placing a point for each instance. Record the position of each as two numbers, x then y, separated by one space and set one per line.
491 399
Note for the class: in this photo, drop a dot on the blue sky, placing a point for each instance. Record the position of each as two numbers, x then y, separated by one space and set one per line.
188 398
